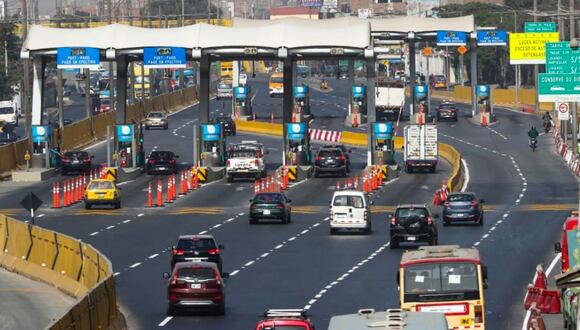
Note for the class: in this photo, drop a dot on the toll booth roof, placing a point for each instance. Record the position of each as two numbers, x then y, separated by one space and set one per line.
426 253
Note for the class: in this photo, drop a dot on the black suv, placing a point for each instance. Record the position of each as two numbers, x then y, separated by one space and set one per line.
330 160
270 206
76 161
413 224
345 152
196 248
162 162
228 124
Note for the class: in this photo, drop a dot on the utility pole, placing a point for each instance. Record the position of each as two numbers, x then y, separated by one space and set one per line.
59 85
111 78
560 22
26 83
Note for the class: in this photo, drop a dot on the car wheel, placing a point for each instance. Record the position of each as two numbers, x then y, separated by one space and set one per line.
285 219
368 230
87 206
433 240
230 178
253 221
118 205
166 127
316 174
480 221
394 243
407 169
446 222
234 133
221 309
170 311
344 173
289 217
333 231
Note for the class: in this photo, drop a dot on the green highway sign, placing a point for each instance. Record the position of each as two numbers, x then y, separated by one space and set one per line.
540 27
559 87
560 58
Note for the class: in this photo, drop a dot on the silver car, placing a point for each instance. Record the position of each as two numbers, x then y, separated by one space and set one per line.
156 119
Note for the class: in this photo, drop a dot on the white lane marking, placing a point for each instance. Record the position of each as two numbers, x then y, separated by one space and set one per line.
343 276
548 271
234 272
249 263
153 255
165 321
140 214
127 221
466 181
116 273
135 265
40 215
95 233
110 227
203 232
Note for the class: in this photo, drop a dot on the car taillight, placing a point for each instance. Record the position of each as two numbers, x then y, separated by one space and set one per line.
474 203
172 161
330 213
318 158
366 215
254 206
228 162
87 160
174 279
151 161
178 252
478 311
66 160
341 158
429 221
446 204
280 206
214 251
257 162
393 221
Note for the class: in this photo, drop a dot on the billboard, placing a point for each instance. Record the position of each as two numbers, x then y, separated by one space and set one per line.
530 48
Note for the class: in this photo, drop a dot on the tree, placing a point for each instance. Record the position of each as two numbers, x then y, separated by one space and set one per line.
193 8
14 43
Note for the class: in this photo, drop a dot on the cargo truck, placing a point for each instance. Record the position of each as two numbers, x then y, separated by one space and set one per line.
421 149
390 99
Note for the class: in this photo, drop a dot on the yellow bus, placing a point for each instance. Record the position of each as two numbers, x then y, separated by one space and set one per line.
276 84
444 279
226 69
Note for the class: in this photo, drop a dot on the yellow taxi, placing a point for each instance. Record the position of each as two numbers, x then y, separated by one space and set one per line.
102 192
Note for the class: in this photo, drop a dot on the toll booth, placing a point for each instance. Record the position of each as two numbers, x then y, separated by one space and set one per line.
421 95
41 144
213 145
483 99
359 100
298 152
126 146
384 147
242 102
301 110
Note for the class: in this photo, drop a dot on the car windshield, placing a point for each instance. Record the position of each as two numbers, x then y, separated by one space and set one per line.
161 154
441 277
439 78
268 198
352 201
329 153
405 213
277 80
101 185
460 198
6 111
155 115
243 154
225 86
196 244
447 106
76 154
196 274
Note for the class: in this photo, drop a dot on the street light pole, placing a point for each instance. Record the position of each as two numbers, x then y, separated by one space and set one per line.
574 105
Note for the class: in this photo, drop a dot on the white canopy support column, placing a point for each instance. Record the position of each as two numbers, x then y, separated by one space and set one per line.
38 64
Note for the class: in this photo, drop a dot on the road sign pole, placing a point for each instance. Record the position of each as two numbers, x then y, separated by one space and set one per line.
574 128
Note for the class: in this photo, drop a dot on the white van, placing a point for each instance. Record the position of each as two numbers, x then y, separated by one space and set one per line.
350 209
8 112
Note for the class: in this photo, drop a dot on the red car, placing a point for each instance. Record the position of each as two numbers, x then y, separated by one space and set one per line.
195 285
285 319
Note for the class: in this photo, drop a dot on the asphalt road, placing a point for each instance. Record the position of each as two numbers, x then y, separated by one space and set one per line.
287 266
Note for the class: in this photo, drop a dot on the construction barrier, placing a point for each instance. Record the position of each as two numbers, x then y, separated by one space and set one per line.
70 265
292 173
202 174
453 157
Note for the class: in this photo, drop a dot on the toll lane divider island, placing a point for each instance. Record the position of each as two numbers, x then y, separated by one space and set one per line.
89 130
72 266
448 152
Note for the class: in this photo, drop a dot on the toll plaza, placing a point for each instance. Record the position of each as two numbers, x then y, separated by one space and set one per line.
298 152
242 108
384 148
358 105
421 95
346 38
301 111
213 146
484 105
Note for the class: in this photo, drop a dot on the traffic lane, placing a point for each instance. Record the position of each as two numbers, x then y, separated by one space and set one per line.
233 234
28 304
327 256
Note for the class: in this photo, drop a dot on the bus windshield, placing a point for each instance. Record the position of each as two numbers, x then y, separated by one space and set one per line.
440 281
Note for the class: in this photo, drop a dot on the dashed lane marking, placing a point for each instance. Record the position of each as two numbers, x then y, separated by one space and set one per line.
197 210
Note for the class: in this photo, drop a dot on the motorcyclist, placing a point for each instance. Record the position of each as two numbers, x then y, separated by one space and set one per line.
547 121
547 116
533 133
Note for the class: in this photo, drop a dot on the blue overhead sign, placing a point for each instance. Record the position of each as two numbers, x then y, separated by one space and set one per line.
300 92
125 133
492 38
420 91
78 58
40 133
241 92
359 92
211 132
451 38
164 57
483 90
297 131
383 131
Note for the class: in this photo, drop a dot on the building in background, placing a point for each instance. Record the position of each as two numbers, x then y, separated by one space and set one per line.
423 8
380 8
299 12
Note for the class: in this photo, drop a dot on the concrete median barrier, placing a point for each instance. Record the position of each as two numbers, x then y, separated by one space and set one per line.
453 157
259 127
74 267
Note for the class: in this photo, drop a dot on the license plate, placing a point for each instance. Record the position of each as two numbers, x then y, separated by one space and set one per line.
266 212
163 168
194 259
101 194
341 216
411 238
196 286
461 214
75 162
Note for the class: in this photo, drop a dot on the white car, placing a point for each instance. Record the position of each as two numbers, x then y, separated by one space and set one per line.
350 209
8 113
246 159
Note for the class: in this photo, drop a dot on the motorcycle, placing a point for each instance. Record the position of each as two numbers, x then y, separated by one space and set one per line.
547 125
324 84
533 143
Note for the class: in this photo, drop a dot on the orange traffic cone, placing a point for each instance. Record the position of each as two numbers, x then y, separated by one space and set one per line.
149 195
55 196
484 119
540 278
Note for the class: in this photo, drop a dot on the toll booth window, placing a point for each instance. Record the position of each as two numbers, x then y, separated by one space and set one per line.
101 185
6 110
352 201
450 277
